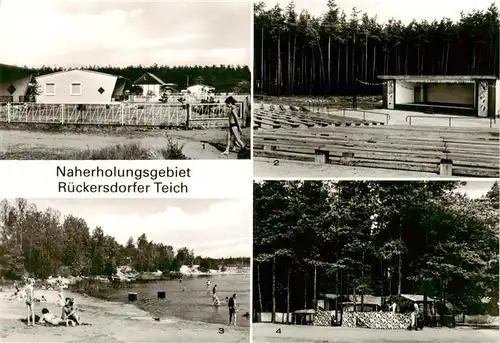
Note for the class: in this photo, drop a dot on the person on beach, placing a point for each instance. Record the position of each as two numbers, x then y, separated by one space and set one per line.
49 318
234 131
208 287
69 311
232 309
60 301
215 300
16 294
29 301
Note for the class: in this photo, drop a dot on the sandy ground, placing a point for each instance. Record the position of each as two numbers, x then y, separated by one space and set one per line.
110 322
265 168
197 144
263 332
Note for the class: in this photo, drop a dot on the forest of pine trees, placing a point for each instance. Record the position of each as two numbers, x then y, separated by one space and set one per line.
373 238
300 54
42 244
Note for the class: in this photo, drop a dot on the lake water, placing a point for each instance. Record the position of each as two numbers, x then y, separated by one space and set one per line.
193 303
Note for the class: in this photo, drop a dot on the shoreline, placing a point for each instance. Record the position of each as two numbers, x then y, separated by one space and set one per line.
110 322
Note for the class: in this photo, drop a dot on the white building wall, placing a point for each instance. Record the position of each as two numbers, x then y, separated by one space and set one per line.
20 85
90 82
404 92
497 98
451 93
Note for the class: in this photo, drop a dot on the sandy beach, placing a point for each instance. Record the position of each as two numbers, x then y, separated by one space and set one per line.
264 332
110 322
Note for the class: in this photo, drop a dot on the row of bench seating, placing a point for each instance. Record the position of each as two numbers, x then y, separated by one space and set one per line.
283 118
447 151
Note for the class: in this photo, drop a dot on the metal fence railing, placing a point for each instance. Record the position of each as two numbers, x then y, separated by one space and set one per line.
492 120
371 113
135 114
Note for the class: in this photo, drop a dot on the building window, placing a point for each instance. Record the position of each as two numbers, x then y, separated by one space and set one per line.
50 89
76 88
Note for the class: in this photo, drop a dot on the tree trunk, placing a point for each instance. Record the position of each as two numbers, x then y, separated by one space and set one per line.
422 71
288 295
374 76
353 62
446 59
406 59
258 289
400 259
289 65
278 72
347 63
305 292
338 66
273 315
382 283
336 295
262 60
322 69
418 60
329 79
314 289
425 302
293 63
312 79
341 297
473 71
362 279
366 58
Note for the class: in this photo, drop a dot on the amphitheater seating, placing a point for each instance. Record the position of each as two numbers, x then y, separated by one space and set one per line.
443 150
282 117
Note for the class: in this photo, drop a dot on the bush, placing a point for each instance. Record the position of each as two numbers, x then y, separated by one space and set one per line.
173 151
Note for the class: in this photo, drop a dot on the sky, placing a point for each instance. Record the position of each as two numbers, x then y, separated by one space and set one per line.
476 189
213 228
71 33
403 10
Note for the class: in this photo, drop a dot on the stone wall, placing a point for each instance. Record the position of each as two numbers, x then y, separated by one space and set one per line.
323 318
377 320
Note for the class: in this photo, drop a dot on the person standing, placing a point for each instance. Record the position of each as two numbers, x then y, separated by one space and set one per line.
234 131
60 301
232 309
29 301
208 287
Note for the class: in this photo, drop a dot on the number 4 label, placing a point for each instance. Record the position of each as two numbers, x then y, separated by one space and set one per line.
278 331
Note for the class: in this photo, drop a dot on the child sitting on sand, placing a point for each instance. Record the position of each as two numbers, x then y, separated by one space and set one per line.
69 311
49 318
